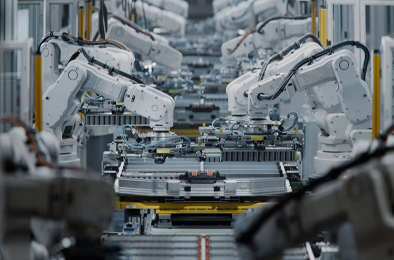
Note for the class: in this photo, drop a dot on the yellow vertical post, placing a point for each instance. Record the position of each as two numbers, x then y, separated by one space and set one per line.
80 22
88 22
376 95
38 93
313 16
323 26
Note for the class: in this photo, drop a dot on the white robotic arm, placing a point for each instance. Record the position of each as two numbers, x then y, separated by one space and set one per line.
56 53
244 14
180 7
154 47
363 199
237 90
343 100
275 35
62 99
175 23
219 5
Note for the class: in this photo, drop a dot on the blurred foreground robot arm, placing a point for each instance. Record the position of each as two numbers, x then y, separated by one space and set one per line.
150 45
364 199
330 79
269 34
245 13
180 7
33 186
62 99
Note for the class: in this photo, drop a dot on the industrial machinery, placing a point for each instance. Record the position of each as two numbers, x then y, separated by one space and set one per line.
151 46
45 206
57 50
245 14
342 117
274 33
62 100
173 22
180 7
361 203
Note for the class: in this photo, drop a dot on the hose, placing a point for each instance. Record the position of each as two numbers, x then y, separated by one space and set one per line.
309 59
287 50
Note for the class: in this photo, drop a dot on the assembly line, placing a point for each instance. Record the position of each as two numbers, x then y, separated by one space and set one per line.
141 129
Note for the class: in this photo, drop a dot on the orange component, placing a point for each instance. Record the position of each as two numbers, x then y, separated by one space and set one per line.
209 173
207 105
194 173
196 105
240 41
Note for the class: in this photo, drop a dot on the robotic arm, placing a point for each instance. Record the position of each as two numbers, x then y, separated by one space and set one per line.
56 53
152 46
343 100
180 7
175 23
364 199
219 5
274 35
237 90
244 14
62 99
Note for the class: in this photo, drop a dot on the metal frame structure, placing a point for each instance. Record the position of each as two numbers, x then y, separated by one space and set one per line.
8 97
73 14
359 21
387 59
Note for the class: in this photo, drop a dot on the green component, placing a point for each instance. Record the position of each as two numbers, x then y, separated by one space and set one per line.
295 186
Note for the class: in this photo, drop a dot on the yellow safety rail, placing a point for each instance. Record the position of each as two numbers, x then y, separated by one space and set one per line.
88 20
191 208
313 16
38 93
80 22
323 26
376 96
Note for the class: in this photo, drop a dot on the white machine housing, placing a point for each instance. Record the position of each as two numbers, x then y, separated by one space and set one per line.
277 34
237 90
156 50
62 99
56 53
173 22
244 14
342 98
180 7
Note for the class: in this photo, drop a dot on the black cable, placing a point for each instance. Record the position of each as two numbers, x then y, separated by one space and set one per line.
246 236
309 59
70 39
301 17
110 69
287 50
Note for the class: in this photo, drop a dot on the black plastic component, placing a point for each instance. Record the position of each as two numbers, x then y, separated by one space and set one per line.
160 159
202 177
217 188
187 188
